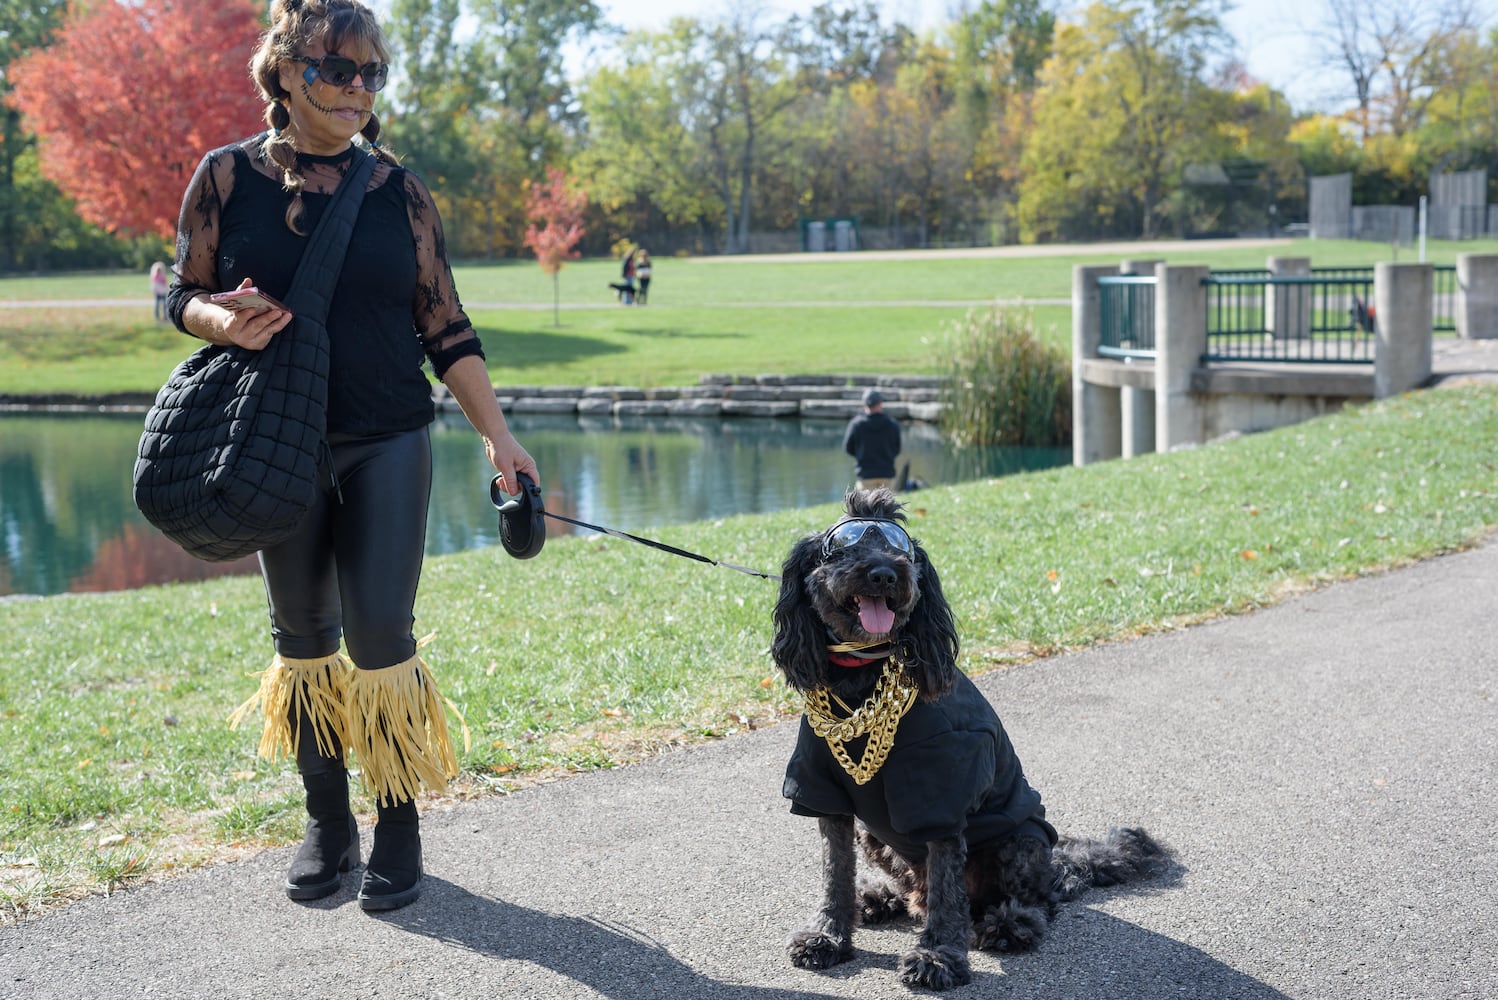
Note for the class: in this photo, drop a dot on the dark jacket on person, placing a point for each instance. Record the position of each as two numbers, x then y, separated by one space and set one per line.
873 439
951 771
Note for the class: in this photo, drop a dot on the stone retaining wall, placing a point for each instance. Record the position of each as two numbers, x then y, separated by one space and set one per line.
825 397
828 397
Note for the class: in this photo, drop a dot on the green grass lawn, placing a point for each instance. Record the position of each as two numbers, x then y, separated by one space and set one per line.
744 315
116 763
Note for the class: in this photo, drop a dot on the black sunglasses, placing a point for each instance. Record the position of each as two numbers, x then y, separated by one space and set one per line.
846 533
340 71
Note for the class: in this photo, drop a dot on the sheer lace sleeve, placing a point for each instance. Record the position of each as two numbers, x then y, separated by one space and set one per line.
196 266
445 331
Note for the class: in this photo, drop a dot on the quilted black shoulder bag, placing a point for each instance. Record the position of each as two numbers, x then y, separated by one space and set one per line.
228 461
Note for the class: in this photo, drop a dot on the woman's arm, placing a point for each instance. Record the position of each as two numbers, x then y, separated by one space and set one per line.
250 329
197 265
468 381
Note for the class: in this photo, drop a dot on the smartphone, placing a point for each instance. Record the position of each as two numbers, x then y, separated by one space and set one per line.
245 298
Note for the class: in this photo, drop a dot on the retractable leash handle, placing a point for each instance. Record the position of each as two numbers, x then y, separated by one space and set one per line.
522 518
522 527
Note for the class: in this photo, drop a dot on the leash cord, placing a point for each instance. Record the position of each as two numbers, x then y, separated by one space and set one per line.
662 546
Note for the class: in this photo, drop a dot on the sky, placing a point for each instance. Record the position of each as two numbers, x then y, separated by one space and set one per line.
1276 39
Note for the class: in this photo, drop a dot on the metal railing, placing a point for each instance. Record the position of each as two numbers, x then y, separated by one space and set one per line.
1443 290
1443 298
1324 320
1127 312
1328 318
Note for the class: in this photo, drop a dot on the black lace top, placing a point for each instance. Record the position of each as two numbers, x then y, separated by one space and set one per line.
395 303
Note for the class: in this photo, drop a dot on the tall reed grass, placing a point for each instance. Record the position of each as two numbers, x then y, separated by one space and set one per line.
1005 385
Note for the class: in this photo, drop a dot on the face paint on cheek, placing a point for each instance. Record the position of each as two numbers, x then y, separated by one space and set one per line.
307 93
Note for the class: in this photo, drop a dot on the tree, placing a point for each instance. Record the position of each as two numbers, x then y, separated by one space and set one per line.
129 97
523 42
1122 109
555 212
1396 55
23 26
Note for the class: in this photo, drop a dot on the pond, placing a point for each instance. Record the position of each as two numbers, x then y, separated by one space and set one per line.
68 523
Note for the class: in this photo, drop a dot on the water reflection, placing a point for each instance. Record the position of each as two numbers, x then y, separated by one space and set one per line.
67 521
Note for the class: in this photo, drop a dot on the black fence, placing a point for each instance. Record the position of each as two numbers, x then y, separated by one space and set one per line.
1327 318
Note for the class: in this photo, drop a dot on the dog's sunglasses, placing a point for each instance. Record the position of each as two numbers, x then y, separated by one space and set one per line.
340 71
847 533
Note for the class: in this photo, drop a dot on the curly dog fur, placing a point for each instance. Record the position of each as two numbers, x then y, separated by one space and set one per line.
999 892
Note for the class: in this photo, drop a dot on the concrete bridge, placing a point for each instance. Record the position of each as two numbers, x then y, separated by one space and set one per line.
1168 396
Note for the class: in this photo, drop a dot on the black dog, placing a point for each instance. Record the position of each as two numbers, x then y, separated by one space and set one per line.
899 738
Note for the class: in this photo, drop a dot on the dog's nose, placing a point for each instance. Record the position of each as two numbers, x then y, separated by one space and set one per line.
882 576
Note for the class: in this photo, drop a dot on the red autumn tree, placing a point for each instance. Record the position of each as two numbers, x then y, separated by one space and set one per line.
555 213
128 98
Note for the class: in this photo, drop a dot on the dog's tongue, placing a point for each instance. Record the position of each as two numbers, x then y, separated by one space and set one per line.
875 616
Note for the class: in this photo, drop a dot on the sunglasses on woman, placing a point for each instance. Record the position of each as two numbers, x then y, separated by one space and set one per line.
845 534
340 71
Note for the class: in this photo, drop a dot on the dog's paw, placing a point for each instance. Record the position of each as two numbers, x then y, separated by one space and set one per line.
935 968
1010 927
815 948
878 903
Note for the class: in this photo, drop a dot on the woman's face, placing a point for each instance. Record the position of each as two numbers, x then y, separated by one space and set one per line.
325 118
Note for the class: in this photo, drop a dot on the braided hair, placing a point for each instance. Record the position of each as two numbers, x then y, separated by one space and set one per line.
295 24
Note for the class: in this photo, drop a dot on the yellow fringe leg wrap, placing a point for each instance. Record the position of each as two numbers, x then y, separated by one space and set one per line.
398 730
291 690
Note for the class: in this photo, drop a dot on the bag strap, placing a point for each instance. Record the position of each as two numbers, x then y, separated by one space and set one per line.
311 290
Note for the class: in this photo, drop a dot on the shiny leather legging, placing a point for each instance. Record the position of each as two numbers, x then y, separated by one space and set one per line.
352 567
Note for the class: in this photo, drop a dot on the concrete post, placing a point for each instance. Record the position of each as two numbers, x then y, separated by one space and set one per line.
1402 325
1142 266
1137 406
1180 341
1287 308
1477 296
1095 419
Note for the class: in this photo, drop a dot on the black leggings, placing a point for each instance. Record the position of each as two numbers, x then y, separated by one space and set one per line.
352 567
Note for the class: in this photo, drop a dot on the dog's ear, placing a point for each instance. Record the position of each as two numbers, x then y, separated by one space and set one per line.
800 643
928 643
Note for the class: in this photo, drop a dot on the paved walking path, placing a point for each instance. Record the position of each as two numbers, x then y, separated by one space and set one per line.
1324 768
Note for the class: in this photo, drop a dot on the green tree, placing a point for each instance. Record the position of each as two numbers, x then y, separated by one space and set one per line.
482 105
523 44
1123 107
644 158
23 27
694 110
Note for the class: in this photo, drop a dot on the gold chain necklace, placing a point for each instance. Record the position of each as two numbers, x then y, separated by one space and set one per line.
878 718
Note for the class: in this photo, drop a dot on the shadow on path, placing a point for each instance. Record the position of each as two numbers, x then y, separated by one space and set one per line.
1104 957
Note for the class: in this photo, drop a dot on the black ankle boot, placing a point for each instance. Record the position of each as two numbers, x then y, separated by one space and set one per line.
331 846
393 876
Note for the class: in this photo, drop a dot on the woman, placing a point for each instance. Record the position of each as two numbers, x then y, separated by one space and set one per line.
159 285
350 571
642 274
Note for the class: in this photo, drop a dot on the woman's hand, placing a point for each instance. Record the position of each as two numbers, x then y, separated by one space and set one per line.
468 381
510 459
251 329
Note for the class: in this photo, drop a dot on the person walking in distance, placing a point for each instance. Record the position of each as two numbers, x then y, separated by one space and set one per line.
873 439
348 575
159 286
642 275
